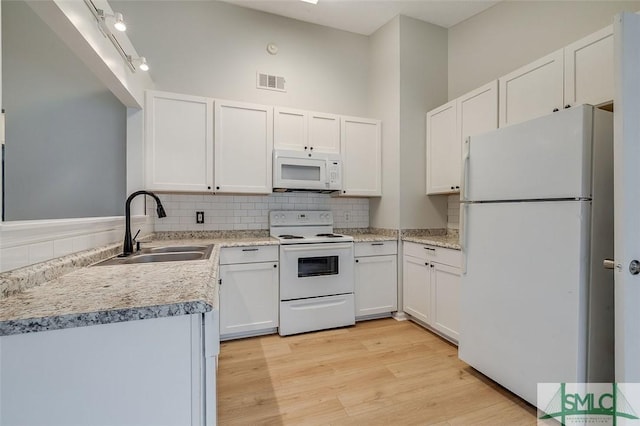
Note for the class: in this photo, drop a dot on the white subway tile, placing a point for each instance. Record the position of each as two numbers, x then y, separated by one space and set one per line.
40 252
13 258
62 247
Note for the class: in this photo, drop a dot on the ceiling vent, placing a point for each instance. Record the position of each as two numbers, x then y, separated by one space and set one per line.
270 82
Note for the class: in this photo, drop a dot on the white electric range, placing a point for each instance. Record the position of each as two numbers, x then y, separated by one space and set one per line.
316 272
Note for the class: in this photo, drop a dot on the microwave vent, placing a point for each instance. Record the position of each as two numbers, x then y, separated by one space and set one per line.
271 82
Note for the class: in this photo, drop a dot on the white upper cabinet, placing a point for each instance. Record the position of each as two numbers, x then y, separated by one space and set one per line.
588 69
443 150
478 111
533 90
306 131
448 126
361 157
243 146
179 142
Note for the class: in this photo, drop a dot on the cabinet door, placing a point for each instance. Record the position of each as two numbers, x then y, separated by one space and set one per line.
478 111
444 150
243 147
324 132
290 129
416 288
588 69
178 142
445 298
361 156
376 288
533 90
249 297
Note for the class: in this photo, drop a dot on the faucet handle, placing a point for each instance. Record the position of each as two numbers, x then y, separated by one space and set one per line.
137 242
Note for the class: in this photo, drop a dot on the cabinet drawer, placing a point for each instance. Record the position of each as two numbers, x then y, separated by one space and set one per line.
429 253
375 248
250 254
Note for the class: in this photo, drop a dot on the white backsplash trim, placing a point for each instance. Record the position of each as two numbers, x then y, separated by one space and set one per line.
242 212
24 243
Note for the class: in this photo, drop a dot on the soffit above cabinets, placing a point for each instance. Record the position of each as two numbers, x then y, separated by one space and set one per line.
365 17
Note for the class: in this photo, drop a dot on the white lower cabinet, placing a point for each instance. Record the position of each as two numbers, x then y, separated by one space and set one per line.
376 278
431 286
159 371
249 291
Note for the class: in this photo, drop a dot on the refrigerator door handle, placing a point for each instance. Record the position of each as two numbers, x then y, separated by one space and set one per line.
466 152
463 237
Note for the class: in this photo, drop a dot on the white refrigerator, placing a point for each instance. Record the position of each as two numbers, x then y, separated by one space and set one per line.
537 208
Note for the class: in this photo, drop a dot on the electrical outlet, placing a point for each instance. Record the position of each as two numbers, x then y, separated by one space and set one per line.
347 216
199 217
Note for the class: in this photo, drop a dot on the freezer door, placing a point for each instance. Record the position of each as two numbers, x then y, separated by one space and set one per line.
523 296
545 158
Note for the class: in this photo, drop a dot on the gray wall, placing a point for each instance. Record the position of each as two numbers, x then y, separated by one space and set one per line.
514 33
423 86
384 85
65 133
212 48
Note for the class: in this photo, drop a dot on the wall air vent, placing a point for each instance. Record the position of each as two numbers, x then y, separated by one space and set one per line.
270 82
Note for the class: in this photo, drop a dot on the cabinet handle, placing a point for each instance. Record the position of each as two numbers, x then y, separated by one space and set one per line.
556 110
306 147
250 249
431 265
344 192
217 187
220 281
426 264
430 249
567 106
311 148
377 244
357 260
208 187
275 266
452 187
457 187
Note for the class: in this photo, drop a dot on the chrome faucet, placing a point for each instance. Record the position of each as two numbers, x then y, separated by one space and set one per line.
127 247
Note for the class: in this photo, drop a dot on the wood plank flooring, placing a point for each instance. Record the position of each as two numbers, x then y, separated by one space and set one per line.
377 372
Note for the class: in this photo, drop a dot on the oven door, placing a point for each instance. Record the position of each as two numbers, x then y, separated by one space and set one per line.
311 270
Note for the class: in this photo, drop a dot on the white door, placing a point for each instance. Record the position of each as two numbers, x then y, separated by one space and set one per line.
361 156
588 69
533 90
416 288
521 296
178 142
243 147
443 150
248 297
549 157
445 299
324 132
375 285
290 129
627 202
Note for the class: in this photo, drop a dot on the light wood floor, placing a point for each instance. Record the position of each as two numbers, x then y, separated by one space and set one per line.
378 372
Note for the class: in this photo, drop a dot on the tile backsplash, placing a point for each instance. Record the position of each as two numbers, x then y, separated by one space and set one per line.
453 211
241 212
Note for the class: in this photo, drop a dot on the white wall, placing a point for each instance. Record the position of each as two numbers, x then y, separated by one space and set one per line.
423 86
384 85
212 48
513 33
245 212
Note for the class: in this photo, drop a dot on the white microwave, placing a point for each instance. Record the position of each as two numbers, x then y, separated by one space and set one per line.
304 171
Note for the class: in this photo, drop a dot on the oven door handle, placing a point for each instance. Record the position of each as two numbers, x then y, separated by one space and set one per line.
316 247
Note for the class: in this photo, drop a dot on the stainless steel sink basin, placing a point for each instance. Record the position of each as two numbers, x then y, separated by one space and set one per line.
176 249
162 254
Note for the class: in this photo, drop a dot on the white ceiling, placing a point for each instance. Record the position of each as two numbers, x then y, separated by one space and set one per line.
366 16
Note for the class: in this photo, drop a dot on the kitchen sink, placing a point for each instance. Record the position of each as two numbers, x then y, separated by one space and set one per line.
162 254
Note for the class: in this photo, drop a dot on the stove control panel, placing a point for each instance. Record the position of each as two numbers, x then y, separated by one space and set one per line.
300 217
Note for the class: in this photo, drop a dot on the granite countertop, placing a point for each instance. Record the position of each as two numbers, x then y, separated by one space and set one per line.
115 293
450 241
364 238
